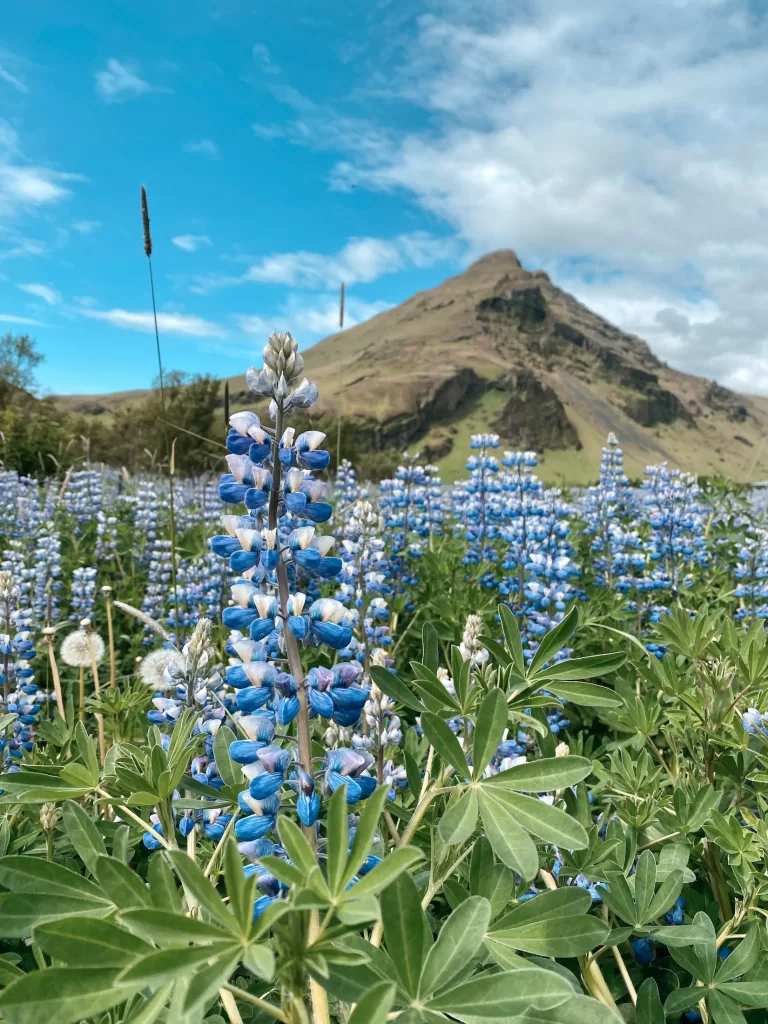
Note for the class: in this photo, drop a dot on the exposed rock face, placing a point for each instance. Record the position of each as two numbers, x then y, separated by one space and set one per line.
534 417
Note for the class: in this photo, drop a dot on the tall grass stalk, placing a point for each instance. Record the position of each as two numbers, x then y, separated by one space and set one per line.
169 448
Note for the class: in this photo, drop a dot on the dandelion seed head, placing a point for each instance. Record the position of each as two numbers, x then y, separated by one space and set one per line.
76 648
153 666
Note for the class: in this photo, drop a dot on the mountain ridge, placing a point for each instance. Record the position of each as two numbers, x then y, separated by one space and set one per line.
500 348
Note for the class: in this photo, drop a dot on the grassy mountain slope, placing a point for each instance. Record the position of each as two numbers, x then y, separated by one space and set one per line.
501 348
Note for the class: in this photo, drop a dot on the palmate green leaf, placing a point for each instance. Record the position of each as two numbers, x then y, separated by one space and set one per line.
431 690
375 1005
444 741
495 650
645 883
29 874
296 846
553 640
21 913
512 638
77 941
394 864
239 888
577 1010
83 834
588 695
86 747
430 647
744 957
350 984
207 981
649 1009
367 826
63 995
724 1010
148 1011
541 776
666 895
395 688
563 937
166 964
749 993
683 999
549 823
582 668
490 723
406 931
459 940
337 834
198 885
359 912
260 960
617 896
507 994
167 929
511 844
228 770
162 886
554 904
460 818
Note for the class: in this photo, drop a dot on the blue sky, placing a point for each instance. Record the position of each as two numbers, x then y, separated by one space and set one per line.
287 147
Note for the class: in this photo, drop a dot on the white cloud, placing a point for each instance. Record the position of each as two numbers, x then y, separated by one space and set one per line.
361 260
42 291
170 323
262 56
207 147
633 135
85 227
8 318
24 185
17 83
312 317
190 243
120 81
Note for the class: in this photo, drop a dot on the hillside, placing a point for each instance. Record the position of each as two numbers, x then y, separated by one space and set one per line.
501 348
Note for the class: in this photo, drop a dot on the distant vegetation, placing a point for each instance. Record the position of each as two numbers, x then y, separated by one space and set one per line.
37 438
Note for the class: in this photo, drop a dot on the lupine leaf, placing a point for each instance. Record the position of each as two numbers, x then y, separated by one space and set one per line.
337 834
459 940
542 776
405 930
459 819
564 937
511 844
20 913
228 770
741 959
162 965
582 668
645 883
507 994
588 695
490 723
77 941
62 994
553 904
649 1008
749 993
162 886
296 846
83 834
445 743
375 1005
683 999
167 929
665 897
30 874
723 1009
430 647
367 825
195 881
395 688
394 864
549 823
552 641
512 638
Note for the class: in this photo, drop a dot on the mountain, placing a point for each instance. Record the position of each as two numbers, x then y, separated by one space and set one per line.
499 348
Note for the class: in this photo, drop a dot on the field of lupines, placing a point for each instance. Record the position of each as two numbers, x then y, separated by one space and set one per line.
274 750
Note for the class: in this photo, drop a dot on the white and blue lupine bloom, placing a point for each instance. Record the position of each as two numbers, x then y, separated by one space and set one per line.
755 722
349 768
